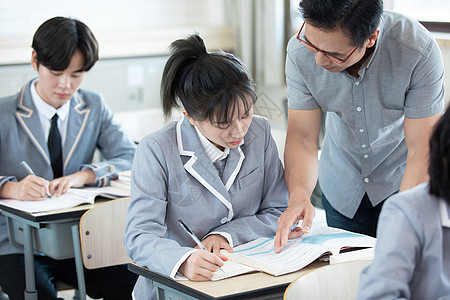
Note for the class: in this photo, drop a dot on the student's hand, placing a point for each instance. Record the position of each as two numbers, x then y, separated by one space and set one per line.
30 188
61 185
296 211
201 265
215 242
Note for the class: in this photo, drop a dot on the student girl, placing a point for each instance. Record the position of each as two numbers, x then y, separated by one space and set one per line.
217 169
412 256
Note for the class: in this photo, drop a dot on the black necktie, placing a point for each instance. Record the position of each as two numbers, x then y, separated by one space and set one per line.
54 148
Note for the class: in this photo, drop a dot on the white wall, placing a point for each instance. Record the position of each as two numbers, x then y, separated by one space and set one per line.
123 28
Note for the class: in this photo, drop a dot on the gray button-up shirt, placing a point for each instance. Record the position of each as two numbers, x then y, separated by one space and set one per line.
364 149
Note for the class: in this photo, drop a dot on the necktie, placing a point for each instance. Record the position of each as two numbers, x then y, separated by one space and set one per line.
54 148
220 166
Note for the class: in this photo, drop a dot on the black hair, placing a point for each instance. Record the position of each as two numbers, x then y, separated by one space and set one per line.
439 169
209 85
358 19
59 38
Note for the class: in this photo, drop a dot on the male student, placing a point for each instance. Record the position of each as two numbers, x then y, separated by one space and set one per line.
379 76
55 128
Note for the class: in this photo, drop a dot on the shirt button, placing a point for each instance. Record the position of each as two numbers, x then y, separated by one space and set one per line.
363 146
358 108
366 156
361 130
366 180
224 220
357 83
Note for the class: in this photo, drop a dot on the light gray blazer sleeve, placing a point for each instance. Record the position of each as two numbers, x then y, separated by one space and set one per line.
147 237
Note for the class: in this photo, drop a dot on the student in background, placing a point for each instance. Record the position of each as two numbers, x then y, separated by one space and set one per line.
379 76
412 255
55 127
217 169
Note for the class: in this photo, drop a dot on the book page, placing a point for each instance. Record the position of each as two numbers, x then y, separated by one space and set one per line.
298 253
72 198
231 269
362 254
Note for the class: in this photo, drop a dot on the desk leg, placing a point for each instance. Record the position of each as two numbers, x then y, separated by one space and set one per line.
78 261
30 283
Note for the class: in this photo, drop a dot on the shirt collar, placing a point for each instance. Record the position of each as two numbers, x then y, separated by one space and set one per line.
211 150
445 213
46 109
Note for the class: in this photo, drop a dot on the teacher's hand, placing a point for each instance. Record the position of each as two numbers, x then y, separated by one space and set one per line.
297 210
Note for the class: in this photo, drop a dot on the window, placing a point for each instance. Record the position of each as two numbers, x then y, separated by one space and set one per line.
432 14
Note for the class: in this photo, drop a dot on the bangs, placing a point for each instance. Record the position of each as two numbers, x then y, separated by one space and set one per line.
222 109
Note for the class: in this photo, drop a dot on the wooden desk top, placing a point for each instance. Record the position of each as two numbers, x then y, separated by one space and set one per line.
238 287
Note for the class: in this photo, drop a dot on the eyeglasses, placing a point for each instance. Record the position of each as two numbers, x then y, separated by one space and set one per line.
315 50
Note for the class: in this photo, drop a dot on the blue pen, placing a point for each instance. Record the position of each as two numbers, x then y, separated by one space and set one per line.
30 172
194 237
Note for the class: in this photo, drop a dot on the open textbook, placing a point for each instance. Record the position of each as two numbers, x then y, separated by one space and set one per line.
72 198
259 255
123 180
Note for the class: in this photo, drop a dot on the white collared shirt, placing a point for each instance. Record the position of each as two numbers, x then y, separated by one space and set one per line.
46 112
211 150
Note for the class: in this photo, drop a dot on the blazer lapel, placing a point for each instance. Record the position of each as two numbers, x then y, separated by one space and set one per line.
29 120
199 164
233 166
77 124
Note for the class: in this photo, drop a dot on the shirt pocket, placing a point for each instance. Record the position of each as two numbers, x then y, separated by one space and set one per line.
250 178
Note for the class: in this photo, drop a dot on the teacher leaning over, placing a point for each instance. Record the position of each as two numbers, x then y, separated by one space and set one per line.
379 76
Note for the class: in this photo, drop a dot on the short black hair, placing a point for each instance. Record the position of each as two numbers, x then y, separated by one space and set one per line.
59 38
439 169
358 19
209 85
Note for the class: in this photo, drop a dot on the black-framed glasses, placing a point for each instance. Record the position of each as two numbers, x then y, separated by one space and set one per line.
315 50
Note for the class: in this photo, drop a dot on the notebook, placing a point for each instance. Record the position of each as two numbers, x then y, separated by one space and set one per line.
74 197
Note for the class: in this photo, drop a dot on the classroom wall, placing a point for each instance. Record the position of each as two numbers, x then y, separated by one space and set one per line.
134 38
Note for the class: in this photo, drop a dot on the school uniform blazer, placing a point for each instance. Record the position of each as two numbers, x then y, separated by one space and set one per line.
412 255
173 178
90 126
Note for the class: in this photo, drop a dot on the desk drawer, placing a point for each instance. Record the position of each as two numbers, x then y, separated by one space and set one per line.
54 239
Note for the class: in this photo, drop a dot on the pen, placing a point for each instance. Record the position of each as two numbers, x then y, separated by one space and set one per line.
194 237
30 172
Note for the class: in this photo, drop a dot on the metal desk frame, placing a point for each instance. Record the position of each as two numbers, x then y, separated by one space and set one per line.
32 222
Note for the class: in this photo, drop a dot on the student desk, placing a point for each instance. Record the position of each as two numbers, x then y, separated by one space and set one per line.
54 233
257 285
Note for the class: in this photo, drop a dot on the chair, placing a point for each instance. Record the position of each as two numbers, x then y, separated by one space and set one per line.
101 234
339 282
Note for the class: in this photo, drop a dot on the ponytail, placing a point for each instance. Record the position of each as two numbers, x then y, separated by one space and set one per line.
206 84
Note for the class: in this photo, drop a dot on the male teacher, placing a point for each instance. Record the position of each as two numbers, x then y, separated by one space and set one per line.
379 76
55 127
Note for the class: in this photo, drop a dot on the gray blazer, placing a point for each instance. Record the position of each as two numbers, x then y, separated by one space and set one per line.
412 255
90 126
173 178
